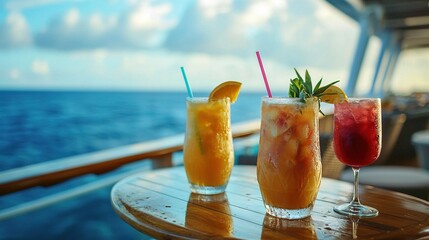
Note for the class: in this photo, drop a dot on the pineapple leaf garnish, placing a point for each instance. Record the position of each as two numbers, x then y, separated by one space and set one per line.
303 88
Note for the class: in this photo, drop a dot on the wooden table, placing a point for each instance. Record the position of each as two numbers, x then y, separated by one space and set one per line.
159 203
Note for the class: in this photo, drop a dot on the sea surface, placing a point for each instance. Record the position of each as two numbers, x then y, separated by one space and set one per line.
39 126
45 125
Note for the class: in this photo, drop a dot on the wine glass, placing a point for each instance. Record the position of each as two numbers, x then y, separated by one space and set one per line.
357 143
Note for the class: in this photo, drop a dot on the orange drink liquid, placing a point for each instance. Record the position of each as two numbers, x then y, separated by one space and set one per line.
288 166
215 220
296 229
208 150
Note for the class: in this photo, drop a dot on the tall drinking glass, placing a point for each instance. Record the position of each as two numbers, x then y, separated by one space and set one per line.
208 150
357 143
288 167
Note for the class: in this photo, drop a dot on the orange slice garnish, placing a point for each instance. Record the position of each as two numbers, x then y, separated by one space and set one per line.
229 89
334 95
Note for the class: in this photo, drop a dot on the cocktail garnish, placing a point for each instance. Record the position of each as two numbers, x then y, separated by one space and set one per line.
334 95
229 89
303 89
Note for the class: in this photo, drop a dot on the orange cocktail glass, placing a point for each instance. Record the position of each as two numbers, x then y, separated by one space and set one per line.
208 150
288 166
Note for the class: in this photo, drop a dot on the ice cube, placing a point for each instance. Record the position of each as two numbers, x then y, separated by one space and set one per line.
291 149
303 132
273 130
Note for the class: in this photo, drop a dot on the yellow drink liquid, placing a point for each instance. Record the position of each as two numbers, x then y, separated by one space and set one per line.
208 150
288 165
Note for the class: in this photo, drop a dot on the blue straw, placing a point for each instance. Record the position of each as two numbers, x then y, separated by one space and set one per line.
187 83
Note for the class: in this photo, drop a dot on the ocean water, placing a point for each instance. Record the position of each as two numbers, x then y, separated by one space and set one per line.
38 126
42 126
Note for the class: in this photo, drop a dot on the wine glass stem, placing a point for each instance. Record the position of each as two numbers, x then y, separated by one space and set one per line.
355 200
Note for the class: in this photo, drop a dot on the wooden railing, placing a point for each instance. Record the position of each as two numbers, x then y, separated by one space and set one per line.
158 151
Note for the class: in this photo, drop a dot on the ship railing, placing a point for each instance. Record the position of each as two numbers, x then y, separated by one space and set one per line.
159 152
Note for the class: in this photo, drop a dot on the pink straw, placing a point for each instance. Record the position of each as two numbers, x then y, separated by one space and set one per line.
267 86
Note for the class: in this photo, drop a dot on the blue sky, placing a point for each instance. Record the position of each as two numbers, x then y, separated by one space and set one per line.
140 45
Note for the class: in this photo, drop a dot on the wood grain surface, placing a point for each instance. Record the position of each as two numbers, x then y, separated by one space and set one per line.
160 204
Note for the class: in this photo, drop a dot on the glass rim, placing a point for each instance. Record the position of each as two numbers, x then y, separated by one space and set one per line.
204 99
196 99
283 100
356 99
280 98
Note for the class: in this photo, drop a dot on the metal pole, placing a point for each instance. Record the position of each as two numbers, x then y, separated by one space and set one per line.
359 55
369 19
387 78
381 61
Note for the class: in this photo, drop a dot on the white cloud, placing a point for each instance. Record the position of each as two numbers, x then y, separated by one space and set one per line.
14 74
72 17
148 17
304 33
212 8
145 25
40 67
14 31
14 5
297 33
72 31
142 26
260 12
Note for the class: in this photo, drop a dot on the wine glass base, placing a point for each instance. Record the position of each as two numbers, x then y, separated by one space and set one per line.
358 210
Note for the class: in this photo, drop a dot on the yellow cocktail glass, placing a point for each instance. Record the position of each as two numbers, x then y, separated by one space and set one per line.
208 149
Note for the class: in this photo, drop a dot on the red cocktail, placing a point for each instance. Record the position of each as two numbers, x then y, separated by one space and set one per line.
357 134
357 143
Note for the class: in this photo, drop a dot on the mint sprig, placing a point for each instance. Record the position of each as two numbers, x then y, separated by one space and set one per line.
303 88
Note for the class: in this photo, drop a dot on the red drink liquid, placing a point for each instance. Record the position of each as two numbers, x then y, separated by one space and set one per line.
357 132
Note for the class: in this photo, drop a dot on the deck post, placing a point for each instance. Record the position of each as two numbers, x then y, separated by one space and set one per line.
381 62
368 21
387 77
163 161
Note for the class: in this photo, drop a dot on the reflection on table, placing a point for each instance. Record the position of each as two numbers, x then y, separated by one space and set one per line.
200 214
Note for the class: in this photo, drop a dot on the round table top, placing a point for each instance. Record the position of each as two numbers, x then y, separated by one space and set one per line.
159 203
